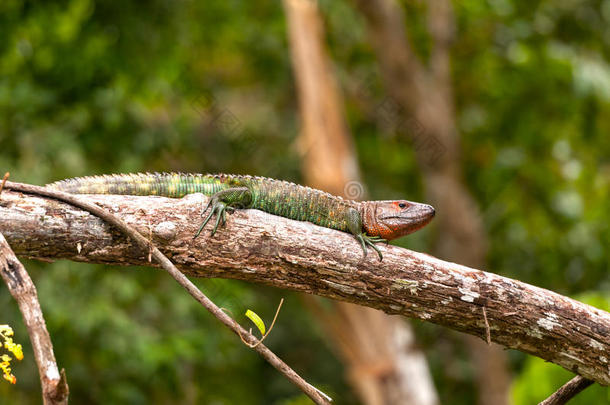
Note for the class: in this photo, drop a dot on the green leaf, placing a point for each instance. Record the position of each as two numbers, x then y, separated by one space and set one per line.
257 321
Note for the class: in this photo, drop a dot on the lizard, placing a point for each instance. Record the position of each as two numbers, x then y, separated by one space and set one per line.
370 222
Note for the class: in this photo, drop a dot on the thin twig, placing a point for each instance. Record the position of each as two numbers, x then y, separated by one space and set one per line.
487 330
54 385
149 237
164 262
277 312
4 179
567 391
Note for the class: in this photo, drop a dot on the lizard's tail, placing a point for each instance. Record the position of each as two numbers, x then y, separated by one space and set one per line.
163 184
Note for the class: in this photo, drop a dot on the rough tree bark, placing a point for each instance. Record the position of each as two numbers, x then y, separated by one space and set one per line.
383 363
271 250
424 97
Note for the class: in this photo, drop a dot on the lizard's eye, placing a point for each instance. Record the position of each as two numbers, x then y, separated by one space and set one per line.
402 205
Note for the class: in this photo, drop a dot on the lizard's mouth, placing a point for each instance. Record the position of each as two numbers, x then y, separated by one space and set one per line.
407 221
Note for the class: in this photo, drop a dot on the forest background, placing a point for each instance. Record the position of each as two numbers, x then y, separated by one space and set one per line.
92 87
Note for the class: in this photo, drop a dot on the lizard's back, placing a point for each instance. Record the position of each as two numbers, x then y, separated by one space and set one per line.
298 202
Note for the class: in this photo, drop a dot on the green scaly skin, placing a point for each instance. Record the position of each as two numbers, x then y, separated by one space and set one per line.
289 200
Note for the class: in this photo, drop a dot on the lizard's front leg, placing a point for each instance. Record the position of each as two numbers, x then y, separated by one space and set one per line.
354 220
366 240
223 201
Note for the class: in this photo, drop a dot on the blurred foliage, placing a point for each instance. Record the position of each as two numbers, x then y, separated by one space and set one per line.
89 87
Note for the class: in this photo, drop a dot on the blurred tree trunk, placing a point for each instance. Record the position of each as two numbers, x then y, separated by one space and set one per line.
384 365
425 112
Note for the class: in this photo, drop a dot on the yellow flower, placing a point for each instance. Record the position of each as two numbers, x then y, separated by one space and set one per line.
10 378
14 348
17 351
5 365
6 369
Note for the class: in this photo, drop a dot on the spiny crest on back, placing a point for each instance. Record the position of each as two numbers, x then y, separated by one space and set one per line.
160 183
288 184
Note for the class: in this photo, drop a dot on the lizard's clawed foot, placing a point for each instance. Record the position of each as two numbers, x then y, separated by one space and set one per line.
222 202
366 240
220 209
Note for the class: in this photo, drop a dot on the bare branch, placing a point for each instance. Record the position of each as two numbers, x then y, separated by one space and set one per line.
146 245
568 391
263 248
4 179
54 385
487 330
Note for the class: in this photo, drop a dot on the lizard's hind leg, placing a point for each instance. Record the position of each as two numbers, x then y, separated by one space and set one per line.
223 201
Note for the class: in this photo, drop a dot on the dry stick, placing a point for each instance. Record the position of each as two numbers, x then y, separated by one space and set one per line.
54 385
316 395
567 391
4 179
487 330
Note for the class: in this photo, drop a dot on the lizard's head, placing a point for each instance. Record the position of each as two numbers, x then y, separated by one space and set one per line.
396 218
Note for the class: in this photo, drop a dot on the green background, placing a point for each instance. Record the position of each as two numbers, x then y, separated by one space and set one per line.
206 86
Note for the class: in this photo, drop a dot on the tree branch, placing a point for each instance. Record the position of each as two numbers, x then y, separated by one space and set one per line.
567 391
53 383
263 248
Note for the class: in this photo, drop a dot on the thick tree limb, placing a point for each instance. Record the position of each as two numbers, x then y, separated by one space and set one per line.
271 250
54 385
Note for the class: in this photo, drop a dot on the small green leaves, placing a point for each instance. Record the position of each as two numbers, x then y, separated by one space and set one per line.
257 321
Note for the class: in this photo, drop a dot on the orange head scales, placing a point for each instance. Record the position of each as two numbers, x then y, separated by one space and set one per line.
394 218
